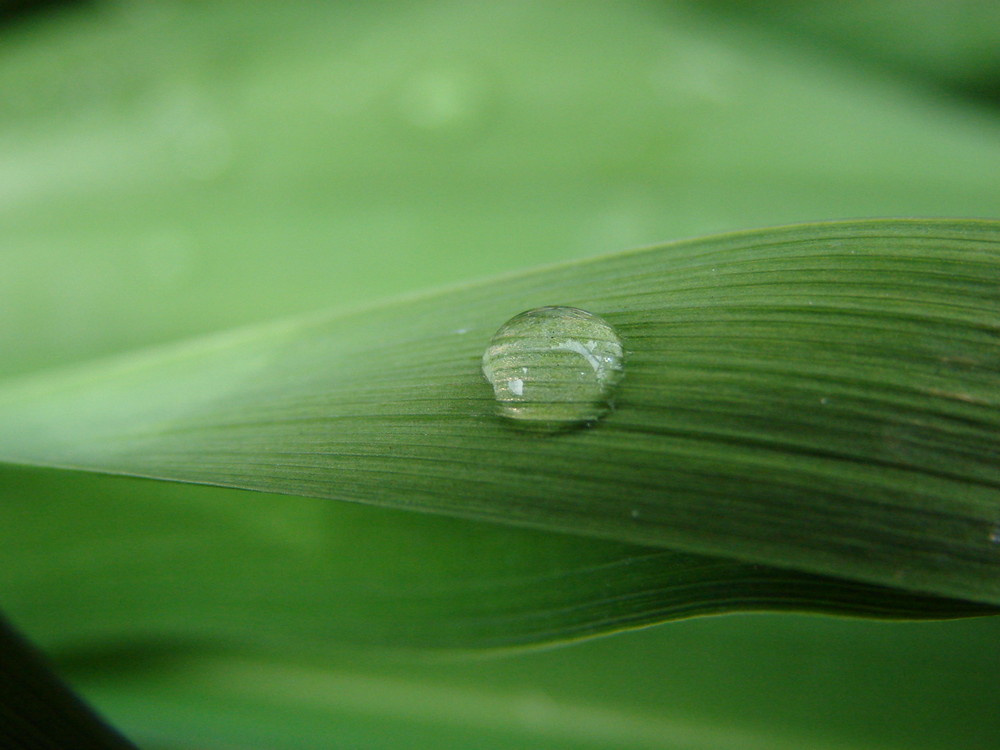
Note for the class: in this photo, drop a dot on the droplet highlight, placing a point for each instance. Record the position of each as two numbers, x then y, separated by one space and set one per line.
554 368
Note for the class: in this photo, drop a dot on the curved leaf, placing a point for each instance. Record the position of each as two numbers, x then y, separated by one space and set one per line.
90 560
821 398
723 683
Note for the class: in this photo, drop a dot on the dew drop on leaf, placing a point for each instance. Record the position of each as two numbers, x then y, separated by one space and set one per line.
554 368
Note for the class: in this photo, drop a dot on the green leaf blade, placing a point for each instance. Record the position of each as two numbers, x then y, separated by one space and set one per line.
821 398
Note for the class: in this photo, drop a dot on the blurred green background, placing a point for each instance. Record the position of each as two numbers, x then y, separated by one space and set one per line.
168 169
172 168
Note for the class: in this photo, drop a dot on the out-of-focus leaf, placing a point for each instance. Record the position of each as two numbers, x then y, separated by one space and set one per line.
38 711
741 682
954 45
168 169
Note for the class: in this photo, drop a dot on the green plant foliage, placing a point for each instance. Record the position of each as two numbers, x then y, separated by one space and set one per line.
38 711
172 169
772 682
126 561
955 46
820 397
807 419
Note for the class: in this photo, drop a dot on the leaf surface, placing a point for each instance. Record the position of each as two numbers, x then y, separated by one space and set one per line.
739 682
822 398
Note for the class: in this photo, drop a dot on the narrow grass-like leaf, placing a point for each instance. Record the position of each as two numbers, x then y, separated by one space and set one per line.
822 398
88 560
724 683
955 45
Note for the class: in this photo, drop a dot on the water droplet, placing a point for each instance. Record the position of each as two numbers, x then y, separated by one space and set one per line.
554 368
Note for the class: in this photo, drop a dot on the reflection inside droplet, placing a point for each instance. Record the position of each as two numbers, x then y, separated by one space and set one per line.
553 368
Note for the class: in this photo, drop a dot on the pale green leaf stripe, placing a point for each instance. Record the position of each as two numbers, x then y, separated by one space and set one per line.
818 397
